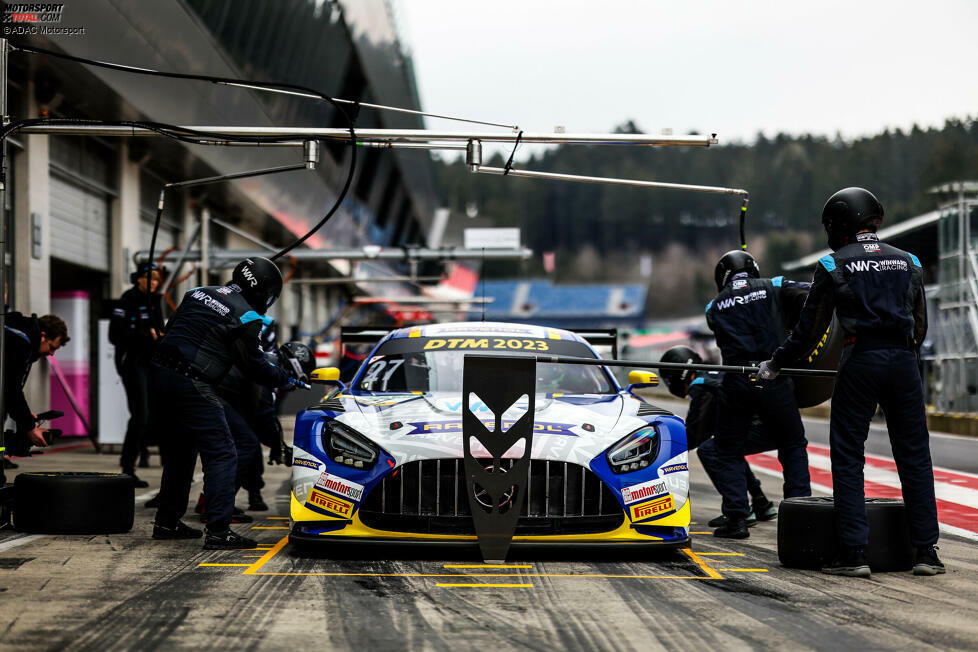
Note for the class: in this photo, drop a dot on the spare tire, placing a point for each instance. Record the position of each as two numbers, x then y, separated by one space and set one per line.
807 534
72 502
825 356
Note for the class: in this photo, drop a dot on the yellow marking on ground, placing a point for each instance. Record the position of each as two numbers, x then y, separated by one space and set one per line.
709 570
253 568
746 570
723 554
480 575
488 565
486 586
224 564
701 533
277 518
270 527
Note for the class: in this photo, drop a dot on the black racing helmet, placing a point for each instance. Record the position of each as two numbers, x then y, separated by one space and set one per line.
848 211
734 262
675 379
297 359
260 281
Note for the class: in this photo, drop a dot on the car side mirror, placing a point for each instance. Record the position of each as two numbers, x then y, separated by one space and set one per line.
326 376
637 379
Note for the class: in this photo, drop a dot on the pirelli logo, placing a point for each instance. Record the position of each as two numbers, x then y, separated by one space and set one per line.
652 508
330 503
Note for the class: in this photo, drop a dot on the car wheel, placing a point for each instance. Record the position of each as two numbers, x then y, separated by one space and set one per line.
73 502
807 533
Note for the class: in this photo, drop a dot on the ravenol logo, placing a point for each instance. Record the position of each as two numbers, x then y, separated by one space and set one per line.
301 461
330 503
652 509
425 427
675 468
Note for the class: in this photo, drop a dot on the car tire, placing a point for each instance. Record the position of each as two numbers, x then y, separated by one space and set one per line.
825 356
73 502
807 533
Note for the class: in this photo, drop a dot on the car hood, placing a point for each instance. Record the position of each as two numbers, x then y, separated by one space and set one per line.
429 426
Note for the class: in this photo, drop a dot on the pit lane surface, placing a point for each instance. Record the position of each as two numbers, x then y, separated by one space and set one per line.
130 592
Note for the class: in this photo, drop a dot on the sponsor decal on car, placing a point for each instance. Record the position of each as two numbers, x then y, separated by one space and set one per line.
642 491
674 468
341 486
491 343
652 509
424 427
329 503
301 461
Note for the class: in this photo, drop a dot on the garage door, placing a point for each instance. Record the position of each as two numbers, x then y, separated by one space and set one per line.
164 239
79 224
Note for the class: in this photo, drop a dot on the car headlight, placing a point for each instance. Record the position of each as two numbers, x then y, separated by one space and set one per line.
346 446
636 451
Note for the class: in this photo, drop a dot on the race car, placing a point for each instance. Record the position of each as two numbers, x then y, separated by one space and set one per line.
380 460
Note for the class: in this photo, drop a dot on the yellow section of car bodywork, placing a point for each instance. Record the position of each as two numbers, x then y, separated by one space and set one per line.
357 529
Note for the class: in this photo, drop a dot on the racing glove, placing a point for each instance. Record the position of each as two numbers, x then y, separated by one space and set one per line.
768 370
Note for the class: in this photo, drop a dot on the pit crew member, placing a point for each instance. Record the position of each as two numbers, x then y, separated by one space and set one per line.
877 293
214 329
748 317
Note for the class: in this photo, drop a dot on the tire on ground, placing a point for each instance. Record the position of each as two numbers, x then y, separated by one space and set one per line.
807 533
73 502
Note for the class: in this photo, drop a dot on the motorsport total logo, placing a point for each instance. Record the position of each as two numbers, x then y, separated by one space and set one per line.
36 18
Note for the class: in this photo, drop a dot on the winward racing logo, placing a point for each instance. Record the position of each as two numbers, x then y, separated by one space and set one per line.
31 18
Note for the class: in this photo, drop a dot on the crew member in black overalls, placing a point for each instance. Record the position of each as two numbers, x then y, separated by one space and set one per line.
27 340
877 292
135 329
747 317
214 329
703 389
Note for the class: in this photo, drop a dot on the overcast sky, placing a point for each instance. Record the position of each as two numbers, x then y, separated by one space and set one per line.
731 67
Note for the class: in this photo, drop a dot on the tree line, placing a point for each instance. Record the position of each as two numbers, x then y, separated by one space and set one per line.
788 177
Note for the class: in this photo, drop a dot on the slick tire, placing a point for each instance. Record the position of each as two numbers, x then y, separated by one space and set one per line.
807 534
73 503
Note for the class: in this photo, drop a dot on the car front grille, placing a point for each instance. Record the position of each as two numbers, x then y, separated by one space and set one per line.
429 496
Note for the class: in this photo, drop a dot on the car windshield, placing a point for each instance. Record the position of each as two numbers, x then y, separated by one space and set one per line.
428 364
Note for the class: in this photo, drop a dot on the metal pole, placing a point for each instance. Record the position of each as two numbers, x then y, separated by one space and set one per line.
247 236
4 231
730 369
349 279
220 256
383 135
180 260
205 246
513 172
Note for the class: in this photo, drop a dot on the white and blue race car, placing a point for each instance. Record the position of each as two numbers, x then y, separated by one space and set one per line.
380 460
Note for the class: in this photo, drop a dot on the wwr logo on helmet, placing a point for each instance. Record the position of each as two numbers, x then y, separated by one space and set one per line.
246 272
